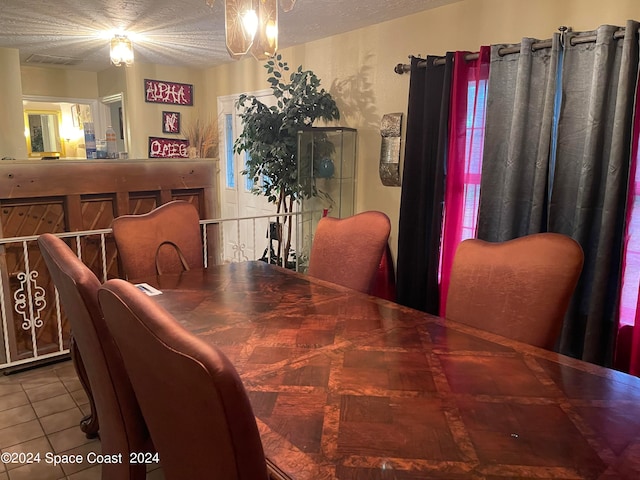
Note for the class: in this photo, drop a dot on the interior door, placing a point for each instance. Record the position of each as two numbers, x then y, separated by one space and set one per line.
246 239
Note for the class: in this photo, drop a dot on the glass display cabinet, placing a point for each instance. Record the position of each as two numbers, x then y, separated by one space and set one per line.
327 177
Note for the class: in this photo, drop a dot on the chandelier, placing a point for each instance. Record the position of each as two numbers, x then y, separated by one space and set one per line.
251 26
286 5
121 50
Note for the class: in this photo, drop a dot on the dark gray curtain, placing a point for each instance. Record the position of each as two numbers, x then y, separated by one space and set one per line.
423 185
582 192
591 179
520 106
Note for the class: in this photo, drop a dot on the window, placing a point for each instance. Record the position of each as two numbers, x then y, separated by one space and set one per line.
463 165
631 260
230 160
473 156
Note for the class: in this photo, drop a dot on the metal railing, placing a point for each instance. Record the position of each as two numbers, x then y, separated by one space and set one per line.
34 326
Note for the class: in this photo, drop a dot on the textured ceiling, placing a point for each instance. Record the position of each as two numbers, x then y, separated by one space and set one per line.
173 32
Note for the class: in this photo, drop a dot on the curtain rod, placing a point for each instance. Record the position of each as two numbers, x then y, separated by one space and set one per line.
405 68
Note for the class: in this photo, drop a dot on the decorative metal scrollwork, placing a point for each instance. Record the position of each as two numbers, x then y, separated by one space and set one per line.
238 252
304 255
29 291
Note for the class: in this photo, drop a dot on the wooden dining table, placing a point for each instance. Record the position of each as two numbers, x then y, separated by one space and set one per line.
345 385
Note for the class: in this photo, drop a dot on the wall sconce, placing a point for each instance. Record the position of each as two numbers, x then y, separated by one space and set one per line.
389 166
251 26
121 50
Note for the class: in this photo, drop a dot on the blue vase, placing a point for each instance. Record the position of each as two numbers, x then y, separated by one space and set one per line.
325 168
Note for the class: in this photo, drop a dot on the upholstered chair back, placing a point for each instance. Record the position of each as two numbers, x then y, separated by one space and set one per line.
519 289
348 251
190 394
121 425
166 240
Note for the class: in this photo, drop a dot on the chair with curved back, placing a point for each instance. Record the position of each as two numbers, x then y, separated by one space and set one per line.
122 427
165 240
190 394
519 288
347 251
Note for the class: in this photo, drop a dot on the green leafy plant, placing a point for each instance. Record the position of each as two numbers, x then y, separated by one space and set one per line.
270 135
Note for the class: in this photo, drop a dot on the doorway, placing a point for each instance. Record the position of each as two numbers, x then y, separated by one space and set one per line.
112 115
242 240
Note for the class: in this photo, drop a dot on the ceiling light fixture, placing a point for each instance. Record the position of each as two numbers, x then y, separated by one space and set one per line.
265 41
250 23
238 39
252 26
121 50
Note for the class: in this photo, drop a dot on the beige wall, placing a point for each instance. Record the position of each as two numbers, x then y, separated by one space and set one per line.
357 67
58 82
12 141
112 81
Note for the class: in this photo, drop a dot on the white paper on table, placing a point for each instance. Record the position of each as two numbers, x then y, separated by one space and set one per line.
148 289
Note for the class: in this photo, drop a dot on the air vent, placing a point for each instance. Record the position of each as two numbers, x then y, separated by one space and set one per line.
52 60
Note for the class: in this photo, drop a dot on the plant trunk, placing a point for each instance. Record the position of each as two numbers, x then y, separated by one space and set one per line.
281 203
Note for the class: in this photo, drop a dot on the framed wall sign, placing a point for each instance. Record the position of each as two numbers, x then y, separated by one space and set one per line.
156 91
170 122
168 148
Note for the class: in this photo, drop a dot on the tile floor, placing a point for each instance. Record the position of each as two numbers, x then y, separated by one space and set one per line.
40 411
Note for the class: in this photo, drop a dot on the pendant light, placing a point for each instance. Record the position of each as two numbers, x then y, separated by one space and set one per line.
265 42
252 26
238 21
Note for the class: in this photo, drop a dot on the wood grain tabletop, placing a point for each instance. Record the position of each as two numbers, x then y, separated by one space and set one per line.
344 385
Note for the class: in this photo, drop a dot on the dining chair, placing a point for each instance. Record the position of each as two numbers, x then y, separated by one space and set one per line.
166 240
121 425
190 394
519 288
348 251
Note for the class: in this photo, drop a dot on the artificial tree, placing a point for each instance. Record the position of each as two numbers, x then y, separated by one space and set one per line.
270 136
